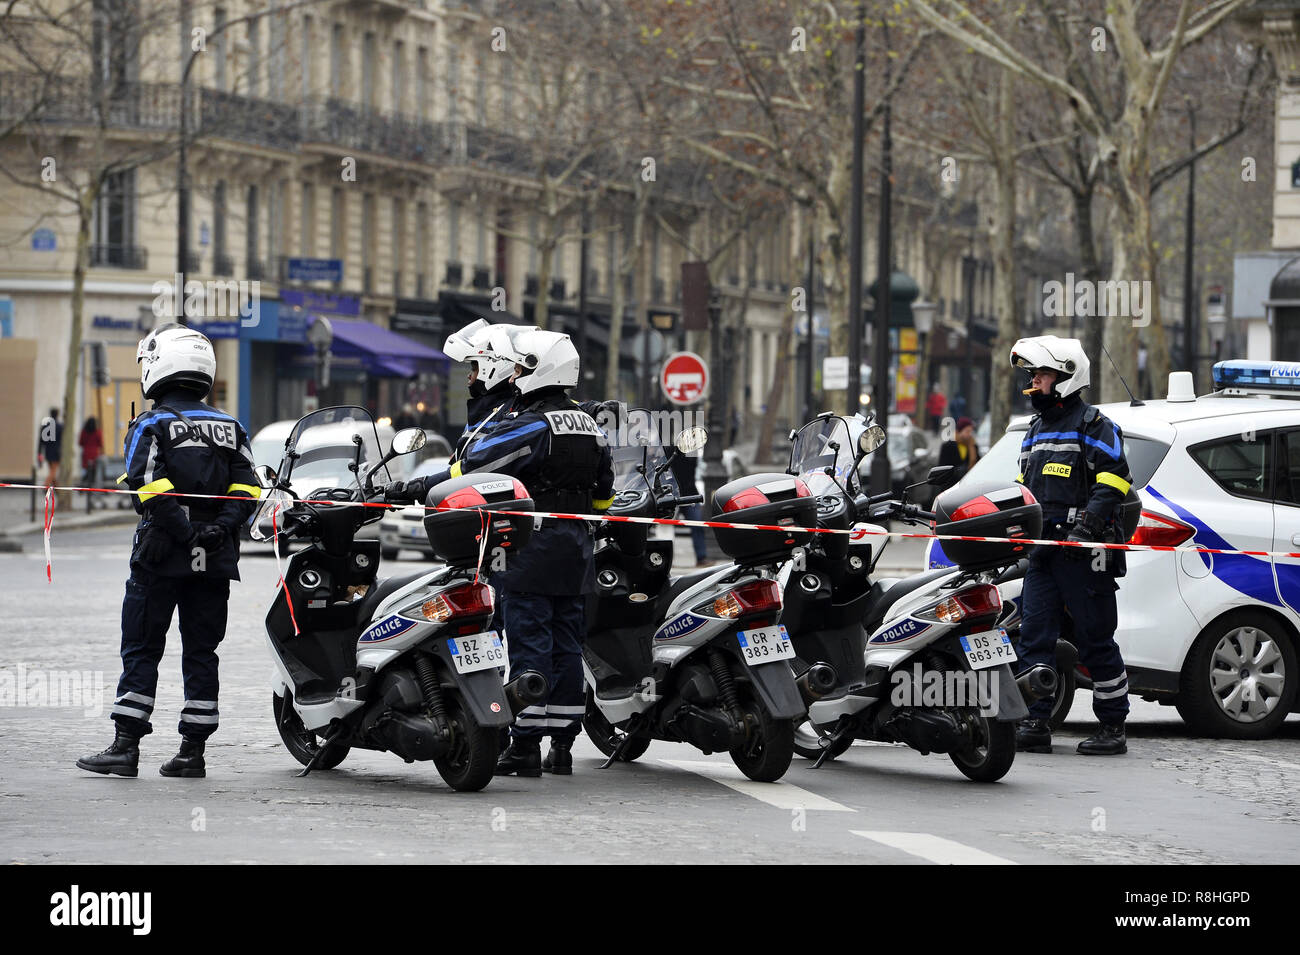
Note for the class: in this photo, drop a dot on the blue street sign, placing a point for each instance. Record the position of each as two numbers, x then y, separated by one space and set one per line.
6 317
316 270
204 235
44 240
320 302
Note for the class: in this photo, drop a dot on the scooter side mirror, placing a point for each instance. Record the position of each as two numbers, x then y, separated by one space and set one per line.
266 475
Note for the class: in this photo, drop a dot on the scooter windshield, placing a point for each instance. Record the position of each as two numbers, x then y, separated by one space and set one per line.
822 443
332 447
637 455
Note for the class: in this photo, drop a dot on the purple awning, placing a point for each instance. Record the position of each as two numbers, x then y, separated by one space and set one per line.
382 352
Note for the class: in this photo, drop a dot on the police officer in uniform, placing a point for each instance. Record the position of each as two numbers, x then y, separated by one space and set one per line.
557 451
1072 459
186 550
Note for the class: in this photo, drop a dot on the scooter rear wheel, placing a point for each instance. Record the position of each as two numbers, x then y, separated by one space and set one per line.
301 742
807 745
472 759
768 754
602 733
990 759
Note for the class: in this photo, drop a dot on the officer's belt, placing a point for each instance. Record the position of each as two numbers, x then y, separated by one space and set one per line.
572 500
202 512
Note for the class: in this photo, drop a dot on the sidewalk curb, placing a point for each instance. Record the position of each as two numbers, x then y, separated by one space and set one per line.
103 518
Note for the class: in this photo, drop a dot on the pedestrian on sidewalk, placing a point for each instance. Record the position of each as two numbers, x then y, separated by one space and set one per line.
91 440
935 405
184 555
960 451
683 468
49 446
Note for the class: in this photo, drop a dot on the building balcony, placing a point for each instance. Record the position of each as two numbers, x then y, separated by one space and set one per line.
455 275
193 262
482 278
222 264
657 290
531 285
557 290
254 269
118 256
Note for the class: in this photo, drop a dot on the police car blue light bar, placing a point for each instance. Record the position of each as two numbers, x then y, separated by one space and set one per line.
1281 377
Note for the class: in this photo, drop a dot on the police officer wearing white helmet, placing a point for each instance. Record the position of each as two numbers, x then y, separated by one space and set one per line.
186 550
492 391
555 448
1072 459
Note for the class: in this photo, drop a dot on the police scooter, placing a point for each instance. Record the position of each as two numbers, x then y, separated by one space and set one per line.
406 664
701 658
919 660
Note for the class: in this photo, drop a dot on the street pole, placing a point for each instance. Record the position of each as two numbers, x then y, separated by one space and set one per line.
880 474
968 267
810 406
582 294
1189 334
182 178
853 401
715 475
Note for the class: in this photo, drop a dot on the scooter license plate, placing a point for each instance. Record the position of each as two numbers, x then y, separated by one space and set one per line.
478 651
988 649
765 645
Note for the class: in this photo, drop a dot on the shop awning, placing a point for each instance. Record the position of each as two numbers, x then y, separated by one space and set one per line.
381 352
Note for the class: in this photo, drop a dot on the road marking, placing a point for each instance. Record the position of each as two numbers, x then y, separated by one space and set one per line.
934 848
782 795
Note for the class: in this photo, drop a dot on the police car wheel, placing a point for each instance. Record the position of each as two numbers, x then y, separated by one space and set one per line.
1239 680
301 742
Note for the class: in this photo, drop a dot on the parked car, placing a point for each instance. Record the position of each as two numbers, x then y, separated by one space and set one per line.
403 527
910 455
1215 635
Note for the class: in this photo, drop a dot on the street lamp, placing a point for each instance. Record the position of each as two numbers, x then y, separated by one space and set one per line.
923 313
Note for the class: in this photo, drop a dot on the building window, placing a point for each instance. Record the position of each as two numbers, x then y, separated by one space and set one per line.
421 249
399 243
422 82
480 94
368 71
480 239
114 221
276 55
254 58
507 92
307 222
453 85
219 66
112 42
250 234
338 224
219 245
399 73
367 240
337 52
453 231
532 244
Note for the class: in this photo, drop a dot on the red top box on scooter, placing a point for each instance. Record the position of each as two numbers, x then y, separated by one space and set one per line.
463 515
988 509
772 498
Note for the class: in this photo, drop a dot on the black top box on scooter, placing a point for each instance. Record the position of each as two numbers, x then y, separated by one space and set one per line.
987 509
770 498
462 516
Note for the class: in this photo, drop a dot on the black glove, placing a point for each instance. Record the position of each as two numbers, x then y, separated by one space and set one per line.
1084 531
395 493
211 537
155 545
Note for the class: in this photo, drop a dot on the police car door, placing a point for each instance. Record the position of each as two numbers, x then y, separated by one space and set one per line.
1286 517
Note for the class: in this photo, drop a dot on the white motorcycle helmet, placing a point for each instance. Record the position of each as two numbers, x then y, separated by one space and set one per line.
1065 356
173 355
548 359
474 343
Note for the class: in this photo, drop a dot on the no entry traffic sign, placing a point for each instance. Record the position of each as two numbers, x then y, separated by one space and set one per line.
684 378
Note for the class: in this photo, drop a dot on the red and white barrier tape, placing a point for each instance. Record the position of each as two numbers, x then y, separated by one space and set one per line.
856 533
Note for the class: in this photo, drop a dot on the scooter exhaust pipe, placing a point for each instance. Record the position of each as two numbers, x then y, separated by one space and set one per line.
1037 682
818 680
527 688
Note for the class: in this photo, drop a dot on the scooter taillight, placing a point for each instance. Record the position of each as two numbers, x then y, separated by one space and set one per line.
755 597
981 601
470 600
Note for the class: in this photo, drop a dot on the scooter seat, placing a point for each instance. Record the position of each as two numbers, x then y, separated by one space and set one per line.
887 592
678 586
380 592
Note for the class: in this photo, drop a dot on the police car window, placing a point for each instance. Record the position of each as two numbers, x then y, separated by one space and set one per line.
1238 466
1288 491
1003 459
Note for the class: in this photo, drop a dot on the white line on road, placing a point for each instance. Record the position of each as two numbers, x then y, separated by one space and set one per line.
934 848
782 795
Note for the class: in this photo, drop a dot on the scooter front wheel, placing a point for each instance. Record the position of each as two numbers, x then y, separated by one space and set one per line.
472 758
810 743
301 742
607 739
990 756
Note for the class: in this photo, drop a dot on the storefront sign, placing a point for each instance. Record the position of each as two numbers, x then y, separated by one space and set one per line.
316 270
319 302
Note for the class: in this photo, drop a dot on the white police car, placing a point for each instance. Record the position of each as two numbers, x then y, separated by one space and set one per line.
1215 635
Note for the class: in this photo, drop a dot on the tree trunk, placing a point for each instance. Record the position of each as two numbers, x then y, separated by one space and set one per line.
784 361
618 297
835 271
71 424
545 260
1085 235
1004 261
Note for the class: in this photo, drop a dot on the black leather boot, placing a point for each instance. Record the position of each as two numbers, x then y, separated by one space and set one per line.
560 758
1034 736
1110 740
188 763
122 758
521 757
